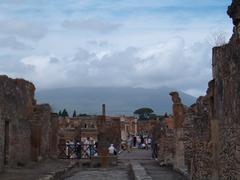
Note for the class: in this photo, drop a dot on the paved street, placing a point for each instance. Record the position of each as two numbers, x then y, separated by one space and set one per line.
151 166
135 154
113 173
158 173
121 172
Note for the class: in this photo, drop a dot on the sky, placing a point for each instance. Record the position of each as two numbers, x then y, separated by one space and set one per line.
127 43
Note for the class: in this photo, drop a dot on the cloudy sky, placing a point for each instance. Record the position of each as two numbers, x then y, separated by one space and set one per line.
137 43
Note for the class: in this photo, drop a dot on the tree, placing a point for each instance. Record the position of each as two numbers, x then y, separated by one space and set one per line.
60 113
74 113
64 113
166 115
143 113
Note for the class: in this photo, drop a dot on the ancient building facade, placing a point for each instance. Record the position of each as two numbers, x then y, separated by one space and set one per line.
146 126
78 128
128 127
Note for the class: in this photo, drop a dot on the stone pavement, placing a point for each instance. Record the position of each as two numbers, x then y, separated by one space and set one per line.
135 154
119 172
34 171
156 172
151 166
136 163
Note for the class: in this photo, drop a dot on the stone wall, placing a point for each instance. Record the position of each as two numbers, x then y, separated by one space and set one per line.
25 127
211 135
226 72
166 146
16 108
197 139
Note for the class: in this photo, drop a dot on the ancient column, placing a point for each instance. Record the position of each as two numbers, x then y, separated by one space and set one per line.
178 116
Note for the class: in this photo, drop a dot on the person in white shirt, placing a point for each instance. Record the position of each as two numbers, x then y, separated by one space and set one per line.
112 150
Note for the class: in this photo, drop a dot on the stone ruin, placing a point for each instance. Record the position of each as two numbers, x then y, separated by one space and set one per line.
109 132
209 130
27 130
179 111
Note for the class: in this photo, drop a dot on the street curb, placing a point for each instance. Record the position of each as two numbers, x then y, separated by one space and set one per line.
180 171
56 175
138 172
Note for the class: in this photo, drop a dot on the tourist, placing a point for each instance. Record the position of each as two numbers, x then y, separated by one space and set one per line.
78 149
129 143
134 141
149 142
112 150
67 149
138 142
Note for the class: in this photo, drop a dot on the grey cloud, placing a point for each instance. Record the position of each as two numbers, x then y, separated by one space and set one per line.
54 60
23 29
94 25
13 66
169 64
12 43
98 43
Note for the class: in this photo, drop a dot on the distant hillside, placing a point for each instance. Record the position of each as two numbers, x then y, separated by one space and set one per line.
118 100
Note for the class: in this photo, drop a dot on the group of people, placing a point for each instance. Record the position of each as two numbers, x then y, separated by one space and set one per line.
81 149
141 142
87 148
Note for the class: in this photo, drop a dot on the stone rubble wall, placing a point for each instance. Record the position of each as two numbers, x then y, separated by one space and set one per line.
166 147
211 126
197 140
226 65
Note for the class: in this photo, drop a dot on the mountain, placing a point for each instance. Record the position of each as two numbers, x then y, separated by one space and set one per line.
118 100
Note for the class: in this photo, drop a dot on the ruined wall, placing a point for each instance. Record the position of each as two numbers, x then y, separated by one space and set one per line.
197 140
211 127
166 148
226 68
25 128
16 108
2 135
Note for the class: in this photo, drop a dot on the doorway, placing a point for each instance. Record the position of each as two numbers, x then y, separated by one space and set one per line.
6 143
